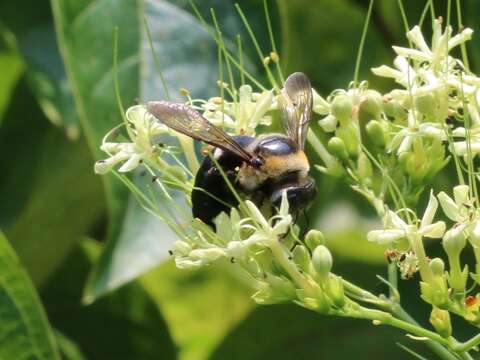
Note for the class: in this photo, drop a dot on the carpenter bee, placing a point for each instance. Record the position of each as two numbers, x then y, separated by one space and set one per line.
263 167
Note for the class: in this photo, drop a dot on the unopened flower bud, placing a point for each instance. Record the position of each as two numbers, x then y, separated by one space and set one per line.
320 303
314 238
376 133
274 56
349 135
266 60
440 320
454 240
437 266
335 291
336 146
394 109
342 107
322 261
372 104
301 257
365 168
427 105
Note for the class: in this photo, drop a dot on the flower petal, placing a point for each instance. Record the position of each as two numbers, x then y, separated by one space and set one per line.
461 194
131 163
449 207
435 230
430 211
416 36
385 237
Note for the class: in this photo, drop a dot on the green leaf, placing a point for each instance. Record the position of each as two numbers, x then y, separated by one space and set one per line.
125 324
35 39
25 332
68 348
188 58
200 306
11 61
285 332
50 197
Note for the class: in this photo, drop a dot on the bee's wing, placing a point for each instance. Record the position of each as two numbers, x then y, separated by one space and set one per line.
295 103
187 121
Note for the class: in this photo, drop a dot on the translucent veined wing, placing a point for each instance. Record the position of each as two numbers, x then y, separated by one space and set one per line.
295 103
186 120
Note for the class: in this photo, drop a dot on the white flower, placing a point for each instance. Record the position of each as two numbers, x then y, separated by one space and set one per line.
241 117
461 207
234 238
426 70
142 132
460 148
396 229
403 139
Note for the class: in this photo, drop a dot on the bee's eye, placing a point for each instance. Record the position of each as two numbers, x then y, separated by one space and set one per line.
257 162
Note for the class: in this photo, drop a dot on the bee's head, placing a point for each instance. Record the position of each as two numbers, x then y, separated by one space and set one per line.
276 155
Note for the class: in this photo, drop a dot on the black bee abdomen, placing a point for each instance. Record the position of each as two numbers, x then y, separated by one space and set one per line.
210 184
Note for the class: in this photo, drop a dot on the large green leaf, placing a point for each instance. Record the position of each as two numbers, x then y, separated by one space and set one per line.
287 332
200 306
24 332
11 67
35 39
125 324
50 198
136 241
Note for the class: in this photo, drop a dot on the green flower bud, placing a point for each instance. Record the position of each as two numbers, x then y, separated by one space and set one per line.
336 146
376 133
440 320
427 105
365 168
454 241
394 109
437 266
372 104
342 108
320 303
274 290
322 261
335 291
314 238
349 135
435 293
301 257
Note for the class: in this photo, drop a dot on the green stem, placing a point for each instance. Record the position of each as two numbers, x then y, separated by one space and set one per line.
393 280
321 151
388 319
468 345
417 246
441 351
292 270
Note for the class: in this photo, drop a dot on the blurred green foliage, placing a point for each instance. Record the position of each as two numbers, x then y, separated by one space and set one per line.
57 100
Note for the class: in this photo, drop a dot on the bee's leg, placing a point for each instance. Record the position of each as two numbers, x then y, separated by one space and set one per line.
307 224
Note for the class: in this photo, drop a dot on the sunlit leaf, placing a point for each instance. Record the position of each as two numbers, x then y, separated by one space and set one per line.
25 332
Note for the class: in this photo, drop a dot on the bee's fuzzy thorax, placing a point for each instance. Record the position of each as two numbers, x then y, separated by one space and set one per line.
275 165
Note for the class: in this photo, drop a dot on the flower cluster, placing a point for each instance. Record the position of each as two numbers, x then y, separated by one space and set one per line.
242 116
388 147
